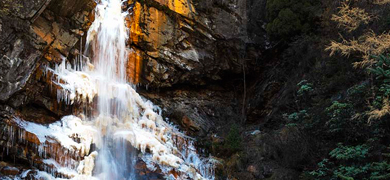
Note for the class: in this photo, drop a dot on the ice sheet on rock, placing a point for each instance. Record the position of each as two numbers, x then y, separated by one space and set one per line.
44 175
86 166
60 169
25 173
63 131
75 85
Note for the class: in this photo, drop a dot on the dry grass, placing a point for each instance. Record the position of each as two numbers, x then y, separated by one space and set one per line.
379 113
350 18
381 2
367 44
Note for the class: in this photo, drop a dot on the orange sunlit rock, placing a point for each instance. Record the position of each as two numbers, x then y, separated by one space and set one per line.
53 55
134 66
32 138
134 24
42 28
159 28
134 63
183 7
154 28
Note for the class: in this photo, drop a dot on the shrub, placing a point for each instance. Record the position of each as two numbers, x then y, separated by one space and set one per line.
304 88
340 114
323 169
233 140
381 71
351 162
342 152
296 118
290 17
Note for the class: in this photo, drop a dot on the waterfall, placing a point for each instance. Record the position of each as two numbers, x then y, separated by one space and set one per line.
122 123
107 39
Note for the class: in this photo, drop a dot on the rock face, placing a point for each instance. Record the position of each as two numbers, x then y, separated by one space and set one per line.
193 58
33 34
193 42
201 112
36 30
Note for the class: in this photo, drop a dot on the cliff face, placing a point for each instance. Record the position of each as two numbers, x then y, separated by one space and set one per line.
36 30
34 34
204 62
193 42
192 58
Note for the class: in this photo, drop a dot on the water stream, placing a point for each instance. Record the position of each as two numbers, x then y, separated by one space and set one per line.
123 125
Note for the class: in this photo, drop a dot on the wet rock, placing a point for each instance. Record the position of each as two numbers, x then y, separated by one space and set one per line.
144 173
38 115
9 171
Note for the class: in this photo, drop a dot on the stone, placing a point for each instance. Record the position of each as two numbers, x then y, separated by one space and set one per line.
18 8
251 168
16 67
9 171
190 124
255 132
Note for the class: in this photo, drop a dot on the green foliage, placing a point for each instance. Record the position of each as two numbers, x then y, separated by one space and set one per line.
381 68
358 90
322 170
233 140
380 170
304 88
329 170
297 117
348 172
340 114
290 17
381 71
351 162
342 152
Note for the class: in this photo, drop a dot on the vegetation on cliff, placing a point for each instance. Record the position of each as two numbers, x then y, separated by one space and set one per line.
340 98
291 17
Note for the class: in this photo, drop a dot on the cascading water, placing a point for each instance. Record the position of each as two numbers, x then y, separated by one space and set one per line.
122 118
107 40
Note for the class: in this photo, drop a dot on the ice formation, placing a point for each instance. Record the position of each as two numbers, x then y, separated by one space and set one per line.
61 144
73 85
121 114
